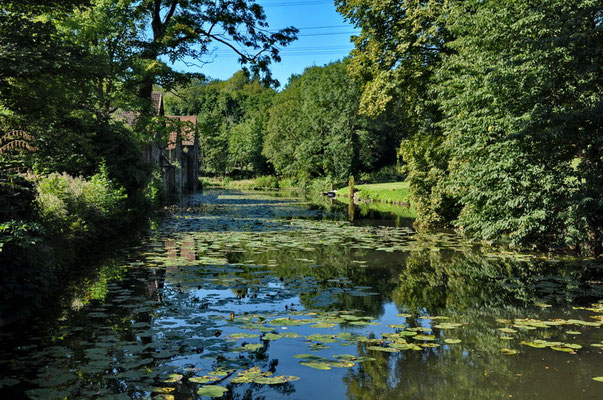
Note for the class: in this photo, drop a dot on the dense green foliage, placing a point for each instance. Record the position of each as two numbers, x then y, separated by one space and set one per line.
504 138
312 129
232 116
315 129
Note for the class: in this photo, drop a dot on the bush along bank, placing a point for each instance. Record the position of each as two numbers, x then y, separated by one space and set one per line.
49 227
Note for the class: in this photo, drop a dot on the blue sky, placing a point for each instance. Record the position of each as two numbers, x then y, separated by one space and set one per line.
324 37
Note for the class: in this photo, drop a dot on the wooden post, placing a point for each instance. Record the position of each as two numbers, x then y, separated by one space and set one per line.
351 208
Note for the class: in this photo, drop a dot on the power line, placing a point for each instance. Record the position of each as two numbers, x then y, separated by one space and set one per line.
297 3
305 48
329 34
315 27
299 54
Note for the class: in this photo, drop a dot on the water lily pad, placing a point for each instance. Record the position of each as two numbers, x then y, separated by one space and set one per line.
272 336
250 347
324 325
163 396
242 336
316 364
384 349
507 330
346 357
163 390
212 391
452 341
424 337
508 352
275 380
448 325
563 349
598 378
204 379
173 378
535 344
322 338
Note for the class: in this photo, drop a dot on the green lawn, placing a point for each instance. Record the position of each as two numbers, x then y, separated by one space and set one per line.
393 192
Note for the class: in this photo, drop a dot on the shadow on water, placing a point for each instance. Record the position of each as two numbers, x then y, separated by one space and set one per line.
257 297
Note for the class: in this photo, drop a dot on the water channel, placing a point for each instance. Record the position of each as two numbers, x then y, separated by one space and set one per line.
265 296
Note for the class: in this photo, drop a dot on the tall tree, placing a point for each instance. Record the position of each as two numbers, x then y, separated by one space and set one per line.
187 30
400 47
523 108
315 129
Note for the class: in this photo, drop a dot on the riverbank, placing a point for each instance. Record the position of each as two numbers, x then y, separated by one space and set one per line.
51 226
397 193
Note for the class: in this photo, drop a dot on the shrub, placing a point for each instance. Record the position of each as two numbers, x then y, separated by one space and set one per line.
78 208
386 174
266 182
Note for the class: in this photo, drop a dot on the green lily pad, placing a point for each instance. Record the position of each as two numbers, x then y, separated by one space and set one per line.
346 357
384 349
173 378
598 378
242 336
538 345
324 325
448 325
424 337
452 341
322 338
250 347
272 336
204 379
212 391
316 364
563 349
508 352
275 380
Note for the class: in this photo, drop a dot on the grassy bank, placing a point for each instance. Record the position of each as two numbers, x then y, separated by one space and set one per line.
392 193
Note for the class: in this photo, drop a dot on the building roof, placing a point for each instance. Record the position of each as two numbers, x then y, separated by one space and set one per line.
188 133
129 117
157 101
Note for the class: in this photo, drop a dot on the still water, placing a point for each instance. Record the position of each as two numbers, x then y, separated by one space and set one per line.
253 296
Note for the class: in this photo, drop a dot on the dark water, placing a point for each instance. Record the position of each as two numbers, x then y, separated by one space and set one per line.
257 297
